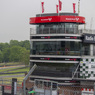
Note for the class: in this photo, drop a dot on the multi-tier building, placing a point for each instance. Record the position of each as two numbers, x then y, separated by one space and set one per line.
60 50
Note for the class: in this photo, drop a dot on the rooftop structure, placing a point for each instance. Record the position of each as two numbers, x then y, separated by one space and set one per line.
59 48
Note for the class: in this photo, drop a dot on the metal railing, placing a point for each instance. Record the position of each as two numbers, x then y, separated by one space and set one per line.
47 87
88 31
42 88
57 53
7 84
26 77
71 53
60 31
50 30
77 90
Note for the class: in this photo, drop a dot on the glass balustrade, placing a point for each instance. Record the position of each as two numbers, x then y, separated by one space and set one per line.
70 48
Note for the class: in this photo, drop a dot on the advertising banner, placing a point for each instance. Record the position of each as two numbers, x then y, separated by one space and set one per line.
87 68
86 91
52 19
89 38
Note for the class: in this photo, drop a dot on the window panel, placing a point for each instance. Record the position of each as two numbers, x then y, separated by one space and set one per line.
57 48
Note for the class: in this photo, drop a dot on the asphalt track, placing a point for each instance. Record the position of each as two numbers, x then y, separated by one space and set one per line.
8 67
21 75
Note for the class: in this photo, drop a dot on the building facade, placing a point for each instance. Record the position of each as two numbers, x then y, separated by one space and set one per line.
59 48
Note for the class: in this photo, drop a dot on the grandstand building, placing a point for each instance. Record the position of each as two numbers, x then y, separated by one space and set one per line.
60 49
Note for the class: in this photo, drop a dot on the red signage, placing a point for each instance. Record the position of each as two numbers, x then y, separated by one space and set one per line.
9 87
56 8
60 5
55 59
42 3
51 19
74 8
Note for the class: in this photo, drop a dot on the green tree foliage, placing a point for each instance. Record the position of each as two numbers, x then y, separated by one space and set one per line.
25 43
14 43
6 54
25 56
1 56
15 51
3 46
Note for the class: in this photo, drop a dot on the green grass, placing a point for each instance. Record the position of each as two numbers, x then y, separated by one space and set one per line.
21 70
12 63
15 69
18 70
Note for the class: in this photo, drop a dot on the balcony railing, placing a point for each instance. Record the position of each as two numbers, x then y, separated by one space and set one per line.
69 53
60 31
88 31
50 30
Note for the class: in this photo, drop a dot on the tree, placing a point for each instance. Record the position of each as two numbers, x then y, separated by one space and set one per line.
19 54
6 54
1 56
15 51
3 46
14 43
25 56
25 44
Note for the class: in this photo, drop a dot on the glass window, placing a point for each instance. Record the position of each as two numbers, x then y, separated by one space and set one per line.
85 50
93 49
70 28
57 48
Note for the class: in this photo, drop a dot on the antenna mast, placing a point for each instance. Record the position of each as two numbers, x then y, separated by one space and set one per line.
91 23
78 7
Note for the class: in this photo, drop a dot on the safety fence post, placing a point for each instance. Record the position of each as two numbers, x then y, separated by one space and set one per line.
94 88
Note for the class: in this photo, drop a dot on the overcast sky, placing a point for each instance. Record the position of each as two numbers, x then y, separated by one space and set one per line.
15 14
